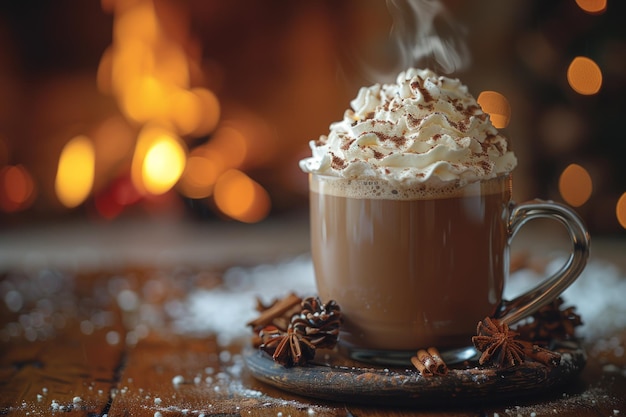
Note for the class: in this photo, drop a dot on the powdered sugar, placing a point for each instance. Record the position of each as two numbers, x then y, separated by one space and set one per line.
598 295
185 302
234 302
46 301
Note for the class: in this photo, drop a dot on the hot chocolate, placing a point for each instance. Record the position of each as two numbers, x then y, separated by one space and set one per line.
411 219
410 272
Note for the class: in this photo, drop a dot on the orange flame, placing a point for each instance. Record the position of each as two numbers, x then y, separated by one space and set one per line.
151 75
159 160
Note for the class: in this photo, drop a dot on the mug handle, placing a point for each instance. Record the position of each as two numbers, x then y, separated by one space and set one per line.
550 288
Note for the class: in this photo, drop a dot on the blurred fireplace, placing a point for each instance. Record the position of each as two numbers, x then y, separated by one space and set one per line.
278 74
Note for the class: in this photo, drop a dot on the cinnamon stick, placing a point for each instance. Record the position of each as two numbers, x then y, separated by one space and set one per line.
421 368
276 310
542 355
440 366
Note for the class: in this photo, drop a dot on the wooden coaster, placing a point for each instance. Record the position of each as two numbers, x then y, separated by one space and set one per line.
333 377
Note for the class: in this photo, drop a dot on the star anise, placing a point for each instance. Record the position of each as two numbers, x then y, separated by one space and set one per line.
550 322
499 344
288 348
318 322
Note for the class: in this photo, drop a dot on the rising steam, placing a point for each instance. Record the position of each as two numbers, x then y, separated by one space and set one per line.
423 35
426 35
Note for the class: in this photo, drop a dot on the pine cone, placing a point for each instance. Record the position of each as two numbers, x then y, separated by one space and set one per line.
319 323
551 322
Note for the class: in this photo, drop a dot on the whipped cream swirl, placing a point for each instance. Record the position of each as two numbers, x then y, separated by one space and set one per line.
425 129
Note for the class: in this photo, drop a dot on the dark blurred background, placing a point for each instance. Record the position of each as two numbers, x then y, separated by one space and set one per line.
99 96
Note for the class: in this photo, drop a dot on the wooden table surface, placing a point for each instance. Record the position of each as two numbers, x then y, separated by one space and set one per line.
104 339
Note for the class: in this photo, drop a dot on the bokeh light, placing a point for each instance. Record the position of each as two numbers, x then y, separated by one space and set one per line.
201 173
584 76
620 210
227 149
114 140
592 6
159 160
231 143
575 185
497 106
209 110
240 197
163 165
75 172
17 188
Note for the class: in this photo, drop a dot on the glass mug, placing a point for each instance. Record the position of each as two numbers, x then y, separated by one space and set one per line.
412 270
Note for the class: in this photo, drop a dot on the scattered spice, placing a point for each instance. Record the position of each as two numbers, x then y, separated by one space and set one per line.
429 362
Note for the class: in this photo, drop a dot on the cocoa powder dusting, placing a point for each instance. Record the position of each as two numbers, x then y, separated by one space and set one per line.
471 111
418 86
414 122
456 104
490 141
397 140
346 145
337 162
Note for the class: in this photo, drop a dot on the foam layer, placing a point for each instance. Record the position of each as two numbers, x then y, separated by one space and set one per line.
391 190
424 129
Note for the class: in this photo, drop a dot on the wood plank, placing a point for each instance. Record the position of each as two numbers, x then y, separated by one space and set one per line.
126 379
48 362
72 373
194 376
